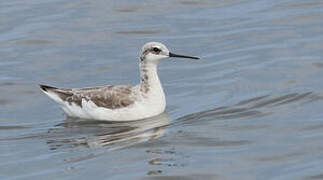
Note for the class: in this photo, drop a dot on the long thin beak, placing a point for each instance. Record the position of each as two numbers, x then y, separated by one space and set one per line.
182 56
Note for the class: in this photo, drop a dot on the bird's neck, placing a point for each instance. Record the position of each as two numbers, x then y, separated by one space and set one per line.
149 80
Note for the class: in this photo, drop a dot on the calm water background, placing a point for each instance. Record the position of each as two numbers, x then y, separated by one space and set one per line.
250 109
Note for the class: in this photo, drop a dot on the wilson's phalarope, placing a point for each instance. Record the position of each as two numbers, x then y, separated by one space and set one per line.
119 103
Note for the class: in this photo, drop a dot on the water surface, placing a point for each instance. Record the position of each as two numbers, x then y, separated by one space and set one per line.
251 108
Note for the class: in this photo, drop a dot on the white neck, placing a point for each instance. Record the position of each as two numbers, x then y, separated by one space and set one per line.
152 94
149 80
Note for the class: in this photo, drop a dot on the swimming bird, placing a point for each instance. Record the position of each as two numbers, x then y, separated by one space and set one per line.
120 102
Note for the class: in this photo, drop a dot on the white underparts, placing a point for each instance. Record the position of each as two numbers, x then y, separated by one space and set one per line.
149 100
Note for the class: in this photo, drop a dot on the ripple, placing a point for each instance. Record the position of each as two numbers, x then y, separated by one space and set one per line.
36 42
139 32
14 127
254 107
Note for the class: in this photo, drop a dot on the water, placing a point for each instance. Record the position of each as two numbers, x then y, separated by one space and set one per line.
251 108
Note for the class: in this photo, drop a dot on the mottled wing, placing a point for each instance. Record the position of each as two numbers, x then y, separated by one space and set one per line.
111 97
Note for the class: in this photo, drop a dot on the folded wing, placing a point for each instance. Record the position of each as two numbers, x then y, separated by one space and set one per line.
111 97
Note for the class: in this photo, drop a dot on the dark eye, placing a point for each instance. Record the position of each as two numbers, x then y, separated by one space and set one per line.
156 50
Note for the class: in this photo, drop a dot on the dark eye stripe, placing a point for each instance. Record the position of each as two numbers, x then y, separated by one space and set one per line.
156 50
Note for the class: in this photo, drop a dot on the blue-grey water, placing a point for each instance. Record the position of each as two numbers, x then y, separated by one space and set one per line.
251 108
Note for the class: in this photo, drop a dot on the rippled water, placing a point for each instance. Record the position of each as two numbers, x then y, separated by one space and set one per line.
251 108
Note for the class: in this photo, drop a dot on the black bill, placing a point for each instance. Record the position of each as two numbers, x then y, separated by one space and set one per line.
182 56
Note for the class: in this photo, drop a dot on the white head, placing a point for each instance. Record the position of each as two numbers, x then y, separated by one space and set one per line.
155 51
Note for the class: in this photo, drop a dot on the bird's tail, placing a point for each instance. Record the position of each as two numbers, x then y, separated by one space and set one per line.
57 94
46 88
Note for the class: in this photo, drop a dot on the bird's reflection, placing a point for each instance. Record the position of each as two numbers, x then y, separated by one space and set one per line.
79 133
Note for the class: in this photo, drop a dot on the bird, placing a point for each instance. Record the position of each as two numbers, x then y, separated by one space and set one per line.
119 102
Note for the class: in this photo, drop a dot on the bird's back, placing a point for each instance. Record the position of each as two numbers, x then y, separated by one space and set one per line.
76 99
